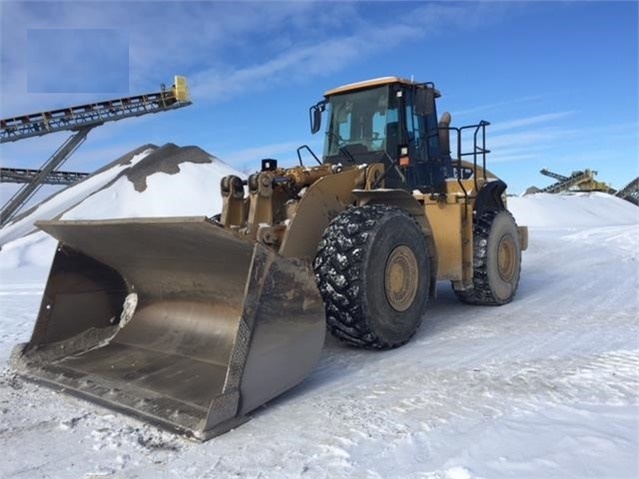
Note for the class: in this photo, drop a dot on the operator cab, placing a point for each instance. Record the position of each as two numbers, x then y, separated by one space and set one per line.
391 121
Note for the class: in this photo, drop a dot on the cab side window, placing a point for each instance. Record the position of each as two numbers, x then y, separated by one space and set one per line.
415 126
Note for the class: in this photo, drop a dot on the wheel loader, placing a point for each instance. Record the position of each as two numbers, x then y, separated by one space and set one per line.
191 323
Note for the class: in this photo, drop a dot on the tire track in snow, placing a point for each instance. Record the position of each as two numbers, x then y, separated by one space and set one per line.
434 397
388 416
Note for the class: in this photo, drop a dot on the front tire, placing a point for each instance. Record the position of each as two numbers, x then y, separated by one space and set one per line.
496 259
372 269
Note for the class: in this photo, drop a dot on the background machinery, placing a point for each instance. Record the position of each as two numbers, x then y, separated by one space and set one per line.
191 323
81 119
584 181
630 192
577 181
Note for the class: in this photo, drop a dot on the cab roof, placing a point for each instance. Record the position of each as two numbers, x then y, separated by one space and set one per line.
372 83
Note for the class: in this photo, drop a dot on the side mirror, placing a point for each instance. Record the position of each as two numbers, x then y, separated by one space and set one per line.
425 101
315 113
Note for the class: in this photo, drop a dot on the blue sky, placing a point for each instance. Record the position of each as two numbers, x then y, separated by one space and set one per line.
557 80
109 48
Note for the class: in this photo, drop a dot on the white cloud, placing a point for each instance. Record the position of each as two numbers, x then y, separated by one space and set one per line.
496 105
215 42
531 120
165 38
338 48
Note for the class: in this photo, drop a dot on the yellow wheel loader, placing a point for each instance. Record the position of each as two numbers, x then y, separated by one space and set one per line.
191 323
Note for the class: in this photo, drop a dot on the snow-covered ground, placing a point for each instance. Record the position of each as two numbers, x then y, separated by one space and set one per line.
544 387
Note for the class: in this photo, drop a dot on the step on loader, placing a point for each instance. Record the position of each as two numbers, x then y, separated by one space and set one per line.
191 323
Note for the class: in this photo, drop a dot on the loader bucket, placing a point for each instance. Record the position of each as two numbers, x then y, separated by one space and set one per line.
174 320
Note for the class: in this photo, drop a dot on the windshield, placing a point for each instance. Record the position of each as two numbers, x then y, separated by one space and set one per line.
361 122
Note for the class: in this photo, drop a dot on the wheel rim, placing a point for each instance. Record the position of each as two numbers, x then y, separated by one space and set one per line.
401 278
506 258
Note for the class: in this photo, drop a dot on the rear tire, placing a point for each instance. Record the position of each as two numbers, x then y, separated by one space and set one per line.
496 259
372 269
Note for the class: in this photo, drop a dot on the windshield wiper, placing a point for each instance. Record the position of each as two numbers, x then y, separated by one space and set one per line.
340 147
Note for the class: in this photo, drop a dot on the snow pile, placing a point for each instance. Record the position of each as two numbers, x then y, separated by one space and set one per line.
32 253
165 181
70 197
570 210
8 190
172 181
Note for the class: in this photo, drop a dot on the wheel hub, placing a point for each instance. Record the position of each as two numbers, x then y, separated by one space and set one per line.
506 261
401 278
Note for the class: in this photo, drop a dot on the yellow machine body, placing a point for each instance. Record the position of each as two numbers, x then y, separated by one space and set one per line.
191 323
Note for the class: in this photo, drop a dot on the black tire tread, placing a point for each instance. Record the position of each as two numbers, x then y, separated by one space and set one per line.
337 265
481 292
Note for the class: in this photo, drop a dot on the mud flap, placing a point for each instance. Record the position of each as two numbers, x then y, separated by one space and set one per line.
174 320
